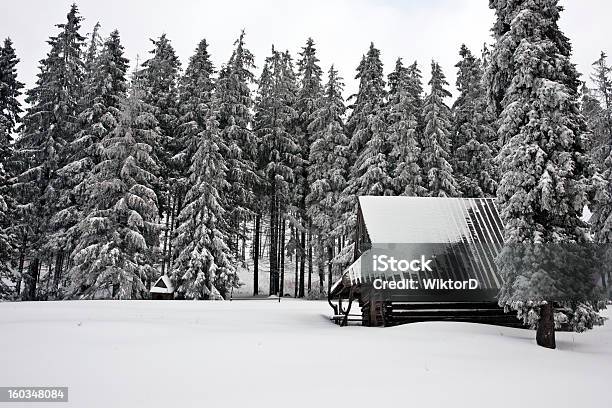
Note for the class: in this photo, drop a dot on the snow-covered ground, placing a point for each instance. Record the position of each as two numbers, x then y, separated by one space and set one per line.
264 353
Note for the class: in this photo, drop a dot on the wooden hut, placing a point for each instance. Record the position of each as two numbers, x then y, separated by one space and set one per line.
461 236
162 289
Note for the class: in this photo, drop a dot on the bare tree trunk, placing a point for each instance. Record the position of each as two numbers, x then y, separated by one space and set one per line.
303 265
281 286
49 278
244 236
256 255
330 257
31 280
171 232
545 335
310 259
294 233
320 267
166 233
278 248
22 251
273 239
59 263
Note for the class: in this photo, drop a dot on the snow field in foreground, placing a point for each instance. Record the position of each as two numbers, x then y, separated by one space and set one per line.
261 353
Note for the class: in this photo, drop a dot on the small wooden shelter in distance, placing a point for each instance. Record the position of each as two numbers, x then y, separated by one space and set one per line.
162 289
462 236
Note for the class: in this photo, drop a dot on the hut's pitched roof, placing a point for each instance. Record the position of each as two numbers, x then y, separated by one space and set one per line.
162 285
411 220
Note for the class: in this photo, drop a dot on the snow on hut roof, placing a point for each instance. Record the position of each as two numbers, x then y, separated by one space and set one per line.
430 219
162 285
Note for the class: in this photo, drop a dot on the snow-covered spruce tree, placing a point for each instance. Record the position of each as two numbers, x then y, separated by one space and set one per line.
91 54
327 164
416 91
472 160
543 189
203 267
369 145
598 111
309 94
104 93
74 167
233 92
275 119
402 110
597 108
10 90
437 171
196 88
160 75
48 126
115 255
594 114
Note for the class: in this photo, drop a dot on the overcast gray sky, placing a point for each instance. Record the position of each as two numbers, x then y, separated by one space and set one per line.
342 29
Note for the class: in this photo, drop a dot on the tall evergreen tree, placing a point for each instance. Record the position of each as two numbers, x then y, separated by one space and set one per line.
328 163
10 90
472 131
599 111
195 94
438 173
240 143
542 192
115 255
160 75
308 96
402 118
416 90
369 144
104 93
10 108
204 265
196 89
48 126
597 108
275 120
91 54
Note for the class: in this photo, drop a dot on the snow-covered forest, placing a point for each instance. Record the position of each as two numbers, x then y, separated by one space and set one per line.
111 177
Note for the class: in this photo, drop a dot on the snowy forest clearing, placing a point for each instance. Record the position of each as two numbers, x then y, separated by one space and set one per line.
257 353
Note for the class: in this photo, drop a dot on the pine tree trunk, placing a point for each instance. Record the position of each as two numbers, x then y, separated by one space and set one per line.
18 287
244 235
310 260
166 232
50 272
330 257
294 233
273 236
256 255
278 249
22 251
59 263
303 265
320 267
174 211
175 224
281 286
545 335
31 280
